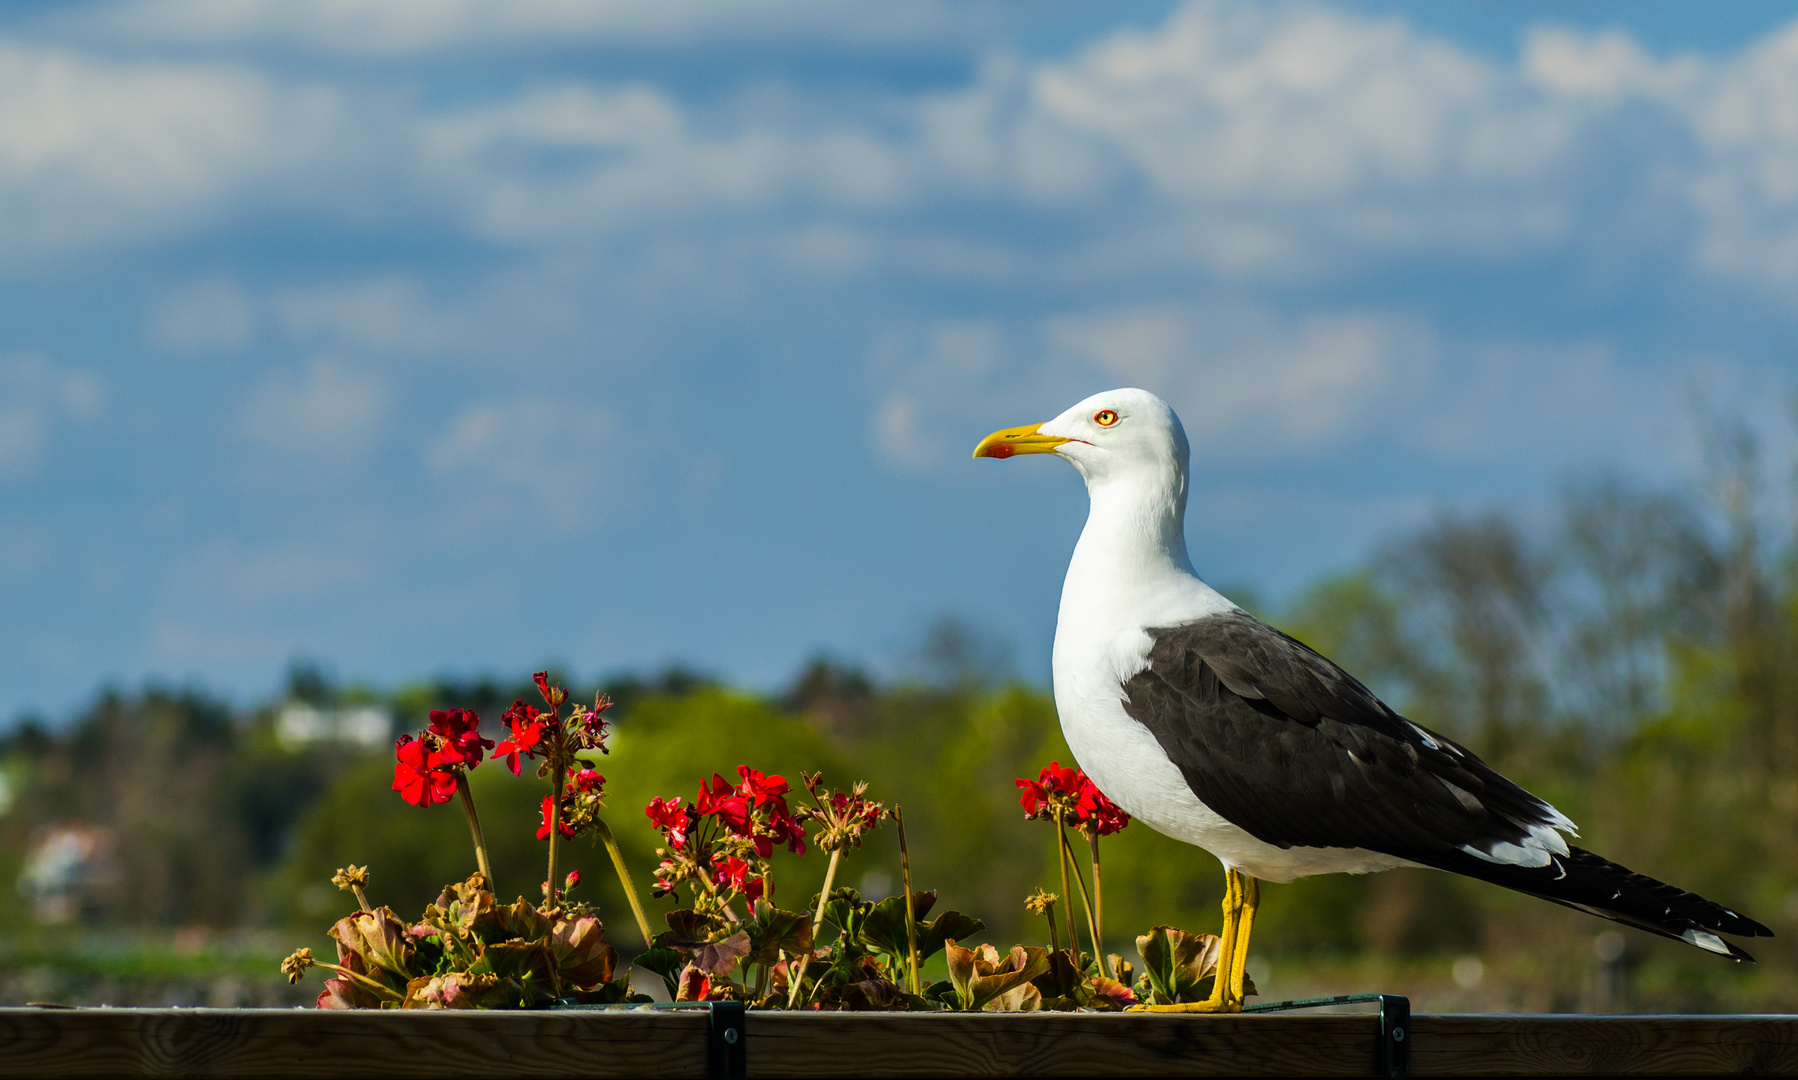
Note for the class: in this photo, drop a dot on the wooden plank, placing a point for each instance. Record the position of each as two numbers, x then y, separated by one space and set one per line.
288 1043
255 1043
1604 1045
1058 1044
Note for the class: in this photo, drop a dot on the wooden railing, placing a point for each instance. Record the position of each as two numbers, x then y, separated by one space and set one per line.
294 1043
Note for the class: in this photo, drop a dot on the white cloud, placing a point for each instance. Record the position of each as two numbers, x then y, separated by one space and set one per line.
1247 377
214 315
933 384
37 403
387 314
329 411
553 451
388 28
95 150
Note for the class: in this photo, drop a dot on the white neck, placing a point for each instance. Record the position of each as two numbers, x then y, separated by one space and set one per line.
1131 560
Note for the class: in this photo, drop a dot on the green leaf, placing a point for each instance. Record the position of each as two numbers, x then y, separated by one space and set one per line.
883 927
772 931
664 962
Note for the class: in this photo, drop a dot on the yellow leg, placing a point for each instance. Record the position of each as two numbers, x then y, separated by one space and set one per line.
1239 963
1225 997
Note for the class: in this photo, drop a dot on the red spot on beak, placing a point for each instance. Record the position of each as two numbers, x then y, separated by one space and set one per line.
1000 451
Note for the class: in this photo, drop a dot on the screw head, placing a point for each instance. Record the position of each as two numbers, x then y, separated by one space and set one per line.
1398 1034
731 1036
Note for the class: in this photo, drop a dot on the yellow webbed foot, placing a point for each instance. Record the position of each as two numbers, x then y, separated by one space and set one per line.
1190 1007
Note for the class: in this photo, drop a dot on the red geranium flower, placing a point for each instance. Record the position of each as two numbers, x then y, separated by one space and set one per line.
527 733
417 777
1082 804
1107 817
763 788
460 730
723 800
543 830
587 781
670 817
784 829
732 871
595 725
555 695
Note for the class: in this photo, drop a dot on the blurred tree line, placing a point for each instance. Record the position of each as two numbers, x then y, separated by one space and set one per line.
1631 656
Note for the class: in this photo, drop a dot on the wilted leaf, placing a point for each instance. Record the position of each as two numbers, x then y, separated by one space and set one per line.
870 994
527 965
1110 994
1025 998
719 957
341 993
379 939
583 957
1180 966
457 990
980 975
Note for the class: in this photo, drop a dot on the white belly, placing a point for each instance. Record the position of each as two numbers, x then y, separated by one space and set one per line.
1126 762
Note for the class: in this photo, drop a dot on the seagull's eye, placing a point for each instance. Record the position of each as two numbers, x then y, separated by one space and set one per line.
1105 418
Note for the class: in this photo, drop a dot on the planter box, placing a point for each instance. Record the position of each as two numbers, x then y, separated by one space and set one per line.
293 1043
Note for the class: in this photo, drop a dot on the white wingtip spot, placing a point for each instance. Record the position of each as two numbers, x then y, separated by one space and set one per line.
1525 854
1708 941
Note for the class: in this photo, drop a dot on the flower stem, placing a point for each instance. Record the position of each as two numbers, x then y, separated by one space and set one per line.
1098 902
1067 894
474 829
555 829
630 890
379 988
361 898
1054 936
830 878
1086 904
915 984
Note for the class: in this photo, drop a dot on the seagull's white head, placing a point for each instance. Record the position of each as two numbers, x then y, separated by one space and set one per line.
1118 438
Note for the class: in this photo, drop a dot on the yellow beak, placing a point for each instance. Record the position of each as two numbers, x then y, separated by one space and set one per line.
1018 440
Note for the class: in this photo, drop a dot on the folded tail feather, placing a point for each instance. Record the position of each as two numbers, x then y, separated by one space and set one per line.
1595 885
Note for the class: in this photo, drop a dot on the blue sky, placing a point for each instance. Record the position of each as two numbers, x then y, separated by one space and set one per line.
465 335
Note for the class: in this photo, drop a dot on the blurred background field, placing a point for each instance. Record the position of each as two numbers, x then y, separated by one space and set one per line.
1633 657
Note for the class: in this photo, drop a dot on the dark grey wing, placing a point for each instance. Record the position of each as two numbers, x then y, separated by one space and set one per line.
1296 752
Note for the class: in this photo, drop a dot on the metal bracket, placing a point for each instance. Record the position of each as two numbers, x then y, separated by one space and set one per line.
1392 1056
726 1044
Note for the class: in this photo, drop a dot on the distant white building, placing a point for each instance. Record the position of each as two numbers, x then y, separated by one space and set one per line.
301 725
70 866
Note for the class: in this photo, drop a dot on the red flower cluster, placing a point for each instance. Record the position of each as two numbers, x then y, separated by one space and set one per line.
670 817
1081 804
426 767
460 730
753 815
421 775
527 733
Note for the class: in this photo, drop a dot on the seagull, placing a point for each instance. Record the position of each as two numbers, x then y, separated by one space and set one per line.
1213 727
